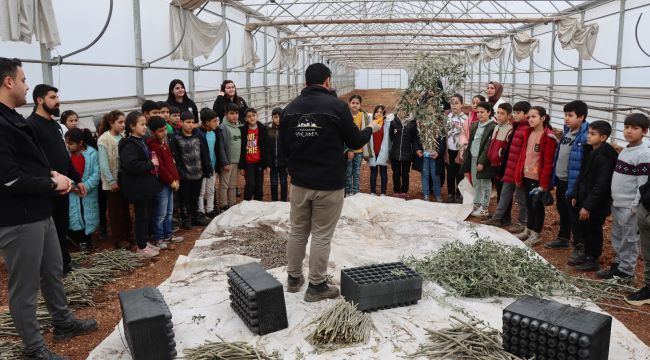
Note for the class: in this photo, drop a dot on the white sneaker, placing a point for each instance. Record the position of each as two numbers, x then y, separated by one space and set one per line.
523 235
481 212
533 239
382 195
160 244
147 252
153 247
175 239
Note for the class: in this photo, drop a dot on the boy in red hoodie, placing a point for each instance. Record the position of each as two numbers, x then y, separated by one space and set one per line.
168 176
502 215
534 171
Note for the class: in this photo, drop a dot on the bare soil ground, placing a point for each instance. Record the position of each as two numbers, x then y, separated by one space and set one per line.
107 310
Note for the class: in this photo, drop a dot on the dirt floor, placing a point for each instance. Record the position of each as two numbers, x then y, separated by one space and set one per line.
107 310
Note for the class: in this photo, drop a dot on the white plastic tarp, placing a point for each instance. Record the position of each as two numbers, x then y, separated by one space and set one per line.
371 230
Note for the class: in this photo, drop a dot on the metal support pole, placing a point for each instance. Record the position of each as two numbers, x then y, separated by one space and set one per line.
277 79
464 82
248 75
480 75
531 67
619 57
191 87
289 79
137 37
46 67
471 84
501 62
514 80
552 74
579 82
265 80
224 61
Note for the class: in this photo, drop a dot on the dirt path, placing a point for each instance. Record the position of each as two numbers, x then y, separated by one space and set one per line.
107 310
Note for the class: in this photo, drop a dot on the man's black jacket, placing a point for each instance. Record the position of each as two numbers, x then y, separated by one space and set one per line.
314 130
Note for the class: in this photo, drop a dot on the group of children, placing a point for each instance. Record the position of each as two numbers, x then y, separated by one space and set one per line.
514 149
163 161
518 152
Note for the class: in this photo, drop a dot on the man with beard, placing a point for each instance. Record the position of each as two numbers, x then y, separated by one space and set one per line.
49 136
28 240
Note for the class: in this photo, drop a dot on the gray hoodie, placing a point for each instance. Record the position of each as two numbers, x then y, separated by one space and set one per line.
631 171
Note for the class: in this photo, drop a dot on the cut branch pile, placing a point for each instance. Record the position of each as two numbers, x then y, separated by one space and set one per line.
222 350
486 268
102 268
340 325
464 340
10 350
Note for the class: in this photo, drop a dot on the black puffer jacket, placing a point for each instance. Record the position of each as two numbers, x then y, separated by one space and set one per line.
276 152
404 140
26 193
593 187
137 183
315 128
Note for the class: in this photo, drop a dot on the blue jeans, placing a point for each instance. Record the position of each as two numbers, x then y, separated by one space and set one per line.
164 209
352 174
281 174
429 170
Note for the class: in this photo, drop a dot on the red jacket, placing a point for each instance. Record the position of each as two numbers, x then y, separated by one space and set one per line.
514 150
547 145
167 172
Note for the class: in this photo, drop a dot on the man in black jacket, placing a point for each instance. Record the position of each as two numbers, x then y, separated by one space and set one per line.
315 129
49 136
28 238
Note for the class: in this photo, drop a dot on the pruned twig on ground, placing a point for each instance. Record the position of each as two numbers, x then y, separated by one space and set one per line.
222 350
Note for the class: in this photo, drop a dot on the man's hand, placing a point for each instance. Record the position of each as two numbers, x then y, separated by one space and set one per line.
63 183
226 167
479 167
375 126
115 188
419 153
584 214
350 155
83 191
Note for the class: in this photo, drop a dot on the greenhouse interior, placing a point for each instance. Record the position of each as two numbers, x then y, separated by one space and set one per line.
107 55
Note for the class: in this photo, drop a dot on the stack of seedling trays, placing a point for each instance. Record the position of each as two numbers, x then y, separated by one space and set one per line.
258 298
550 330
381 286
148 324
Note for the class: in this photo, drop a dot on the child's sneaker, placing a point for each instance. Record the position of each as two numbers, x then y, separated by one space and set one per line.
175 239
492 222
153 247
147 252
426 198
523 235
515 228
639 298
588 264
533 239
160 245
481 212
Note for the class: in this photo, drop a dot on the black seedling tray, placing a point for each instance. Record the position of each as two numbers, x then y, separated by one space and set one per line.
550 330
381 286
258 298
148 324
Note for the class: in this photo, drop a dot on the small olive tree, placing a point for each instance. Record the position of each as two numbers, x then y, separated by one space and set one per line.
424 96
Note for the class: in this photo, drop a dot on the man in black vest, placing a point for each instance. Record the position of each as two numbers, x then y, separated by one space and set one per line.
28 237
49 136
